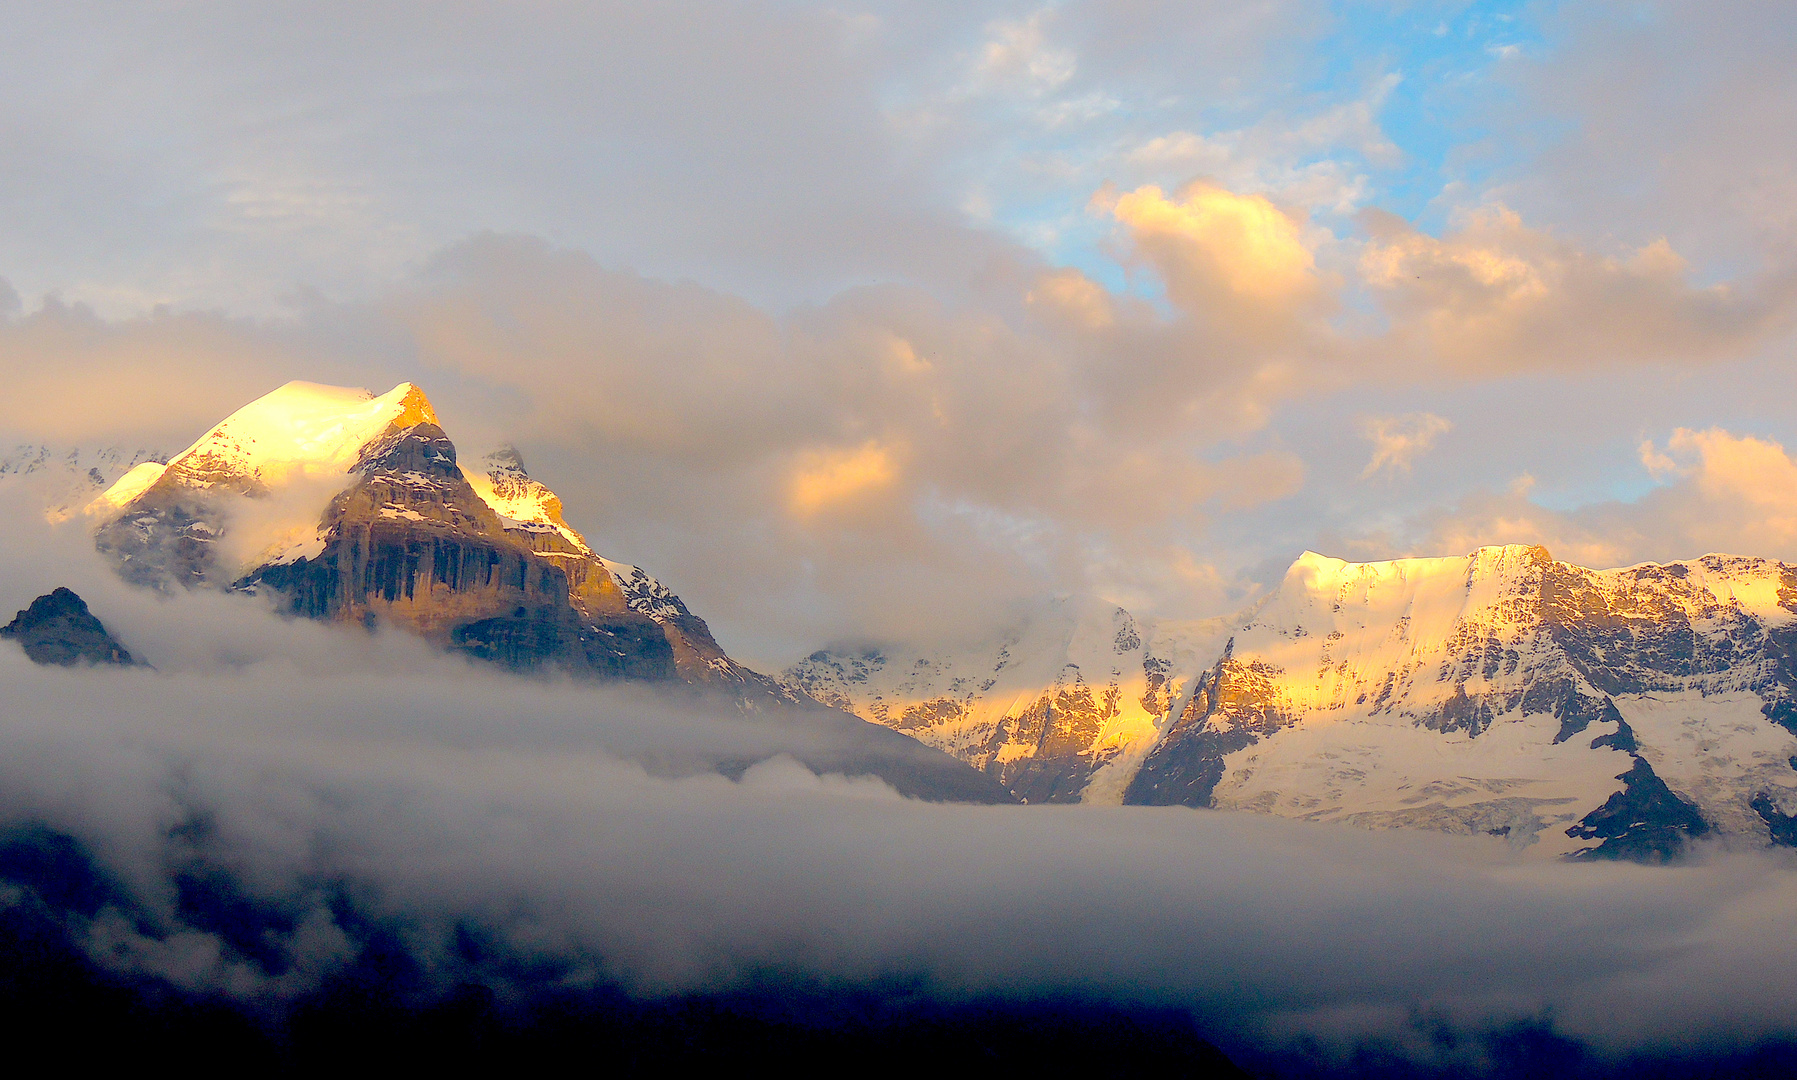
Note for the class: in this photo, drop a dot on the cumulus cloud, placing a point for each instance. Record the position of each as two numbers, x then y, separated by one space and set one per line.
1236 261
1495 295
1717 491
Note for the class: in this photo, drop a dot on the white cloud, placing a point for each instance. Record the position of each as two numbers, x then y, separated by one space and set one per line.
1719 492
1495 295
1019 49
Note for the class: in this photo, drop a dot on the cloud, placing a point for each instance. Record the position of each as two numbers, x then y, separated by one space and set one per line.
252 155
76 378
1718 492
1399 440
826 478
581 834
1675 125
1495 295
1019 49
1317 160
1235 260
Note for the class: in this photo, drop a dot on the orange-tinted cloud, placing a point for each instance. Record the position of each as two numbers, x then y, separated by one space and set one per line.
1495 295
1234 258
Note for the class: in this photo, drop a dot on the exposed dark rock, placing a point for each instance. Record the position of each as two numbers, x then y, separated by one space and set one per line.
1783 827
412 543
58 629
1645 821
1623 738
1461 713
1234 705
1058 730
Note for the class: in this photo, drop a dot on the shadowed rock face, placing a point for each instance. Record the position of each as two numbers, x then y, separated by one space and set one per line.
1234 705
493 573
410 543
58 629
1644 822
1058 729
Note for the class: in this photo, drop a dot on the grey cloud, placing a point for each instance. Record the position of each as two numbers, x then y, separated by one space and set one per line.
239 153
1678 123
507 803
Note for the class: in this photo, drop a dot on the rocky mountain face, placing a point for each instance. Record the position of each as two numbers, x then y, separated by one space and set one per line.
356 508
1593 713
58 629
1058 709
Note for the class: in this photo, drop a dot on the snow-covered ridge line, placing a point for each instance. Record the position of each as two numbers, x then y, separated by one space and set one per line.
1499 692
68 480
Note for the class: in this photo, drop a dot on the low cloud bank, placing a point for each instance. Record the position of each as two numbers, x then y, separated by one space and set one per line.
498 803
332 781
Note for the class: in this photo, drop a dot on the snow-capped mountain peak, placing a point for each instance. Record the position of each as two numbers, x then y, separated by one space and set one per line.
353 506
1564 710
302 427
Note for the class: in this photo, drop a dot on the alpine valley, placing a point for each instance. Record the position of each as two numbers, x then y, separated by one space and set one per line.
1564 711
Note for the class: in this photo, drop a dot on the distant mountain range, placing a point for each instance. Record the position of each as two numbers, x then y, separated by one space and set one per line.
1566 711
1612 713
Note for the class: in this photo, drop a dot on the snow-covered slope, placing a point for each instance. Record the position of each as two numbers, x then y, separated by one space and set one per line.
252 491
1503 693
1566 710
1060 708
65 480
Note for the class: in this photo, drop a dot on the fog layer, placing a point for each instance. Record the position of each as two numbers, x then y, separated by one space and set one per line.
573 825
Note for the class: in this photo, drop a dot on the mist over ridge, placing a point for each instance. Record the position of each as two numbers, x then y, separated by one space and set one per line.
1100 537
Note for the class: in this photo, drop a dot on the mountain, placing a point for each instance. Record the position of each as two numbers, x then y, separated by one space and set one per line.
350 507
1059 708
355 508
68 479
58 629
1592 713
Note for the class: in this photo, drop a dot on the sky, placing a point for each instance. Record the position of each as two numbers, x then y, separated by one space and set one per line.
874 322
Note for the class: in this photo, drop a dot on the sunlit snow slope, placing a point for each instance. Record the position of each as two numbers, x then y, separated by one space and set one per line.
1565 710
1060 708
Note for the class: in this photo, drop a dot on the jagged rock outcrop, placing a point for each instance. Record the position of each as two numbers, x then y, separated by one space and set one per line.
1057 709
355 508
411 543
59 629
1502 693
1645 821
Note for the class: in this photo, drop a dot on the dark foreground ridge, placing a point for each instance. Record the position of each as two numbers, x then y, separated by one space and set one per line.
401 1001
389 1009
58 629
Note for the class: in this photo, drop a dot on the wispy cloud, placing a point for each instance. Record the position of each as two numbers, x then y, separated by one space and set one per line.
1399 440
